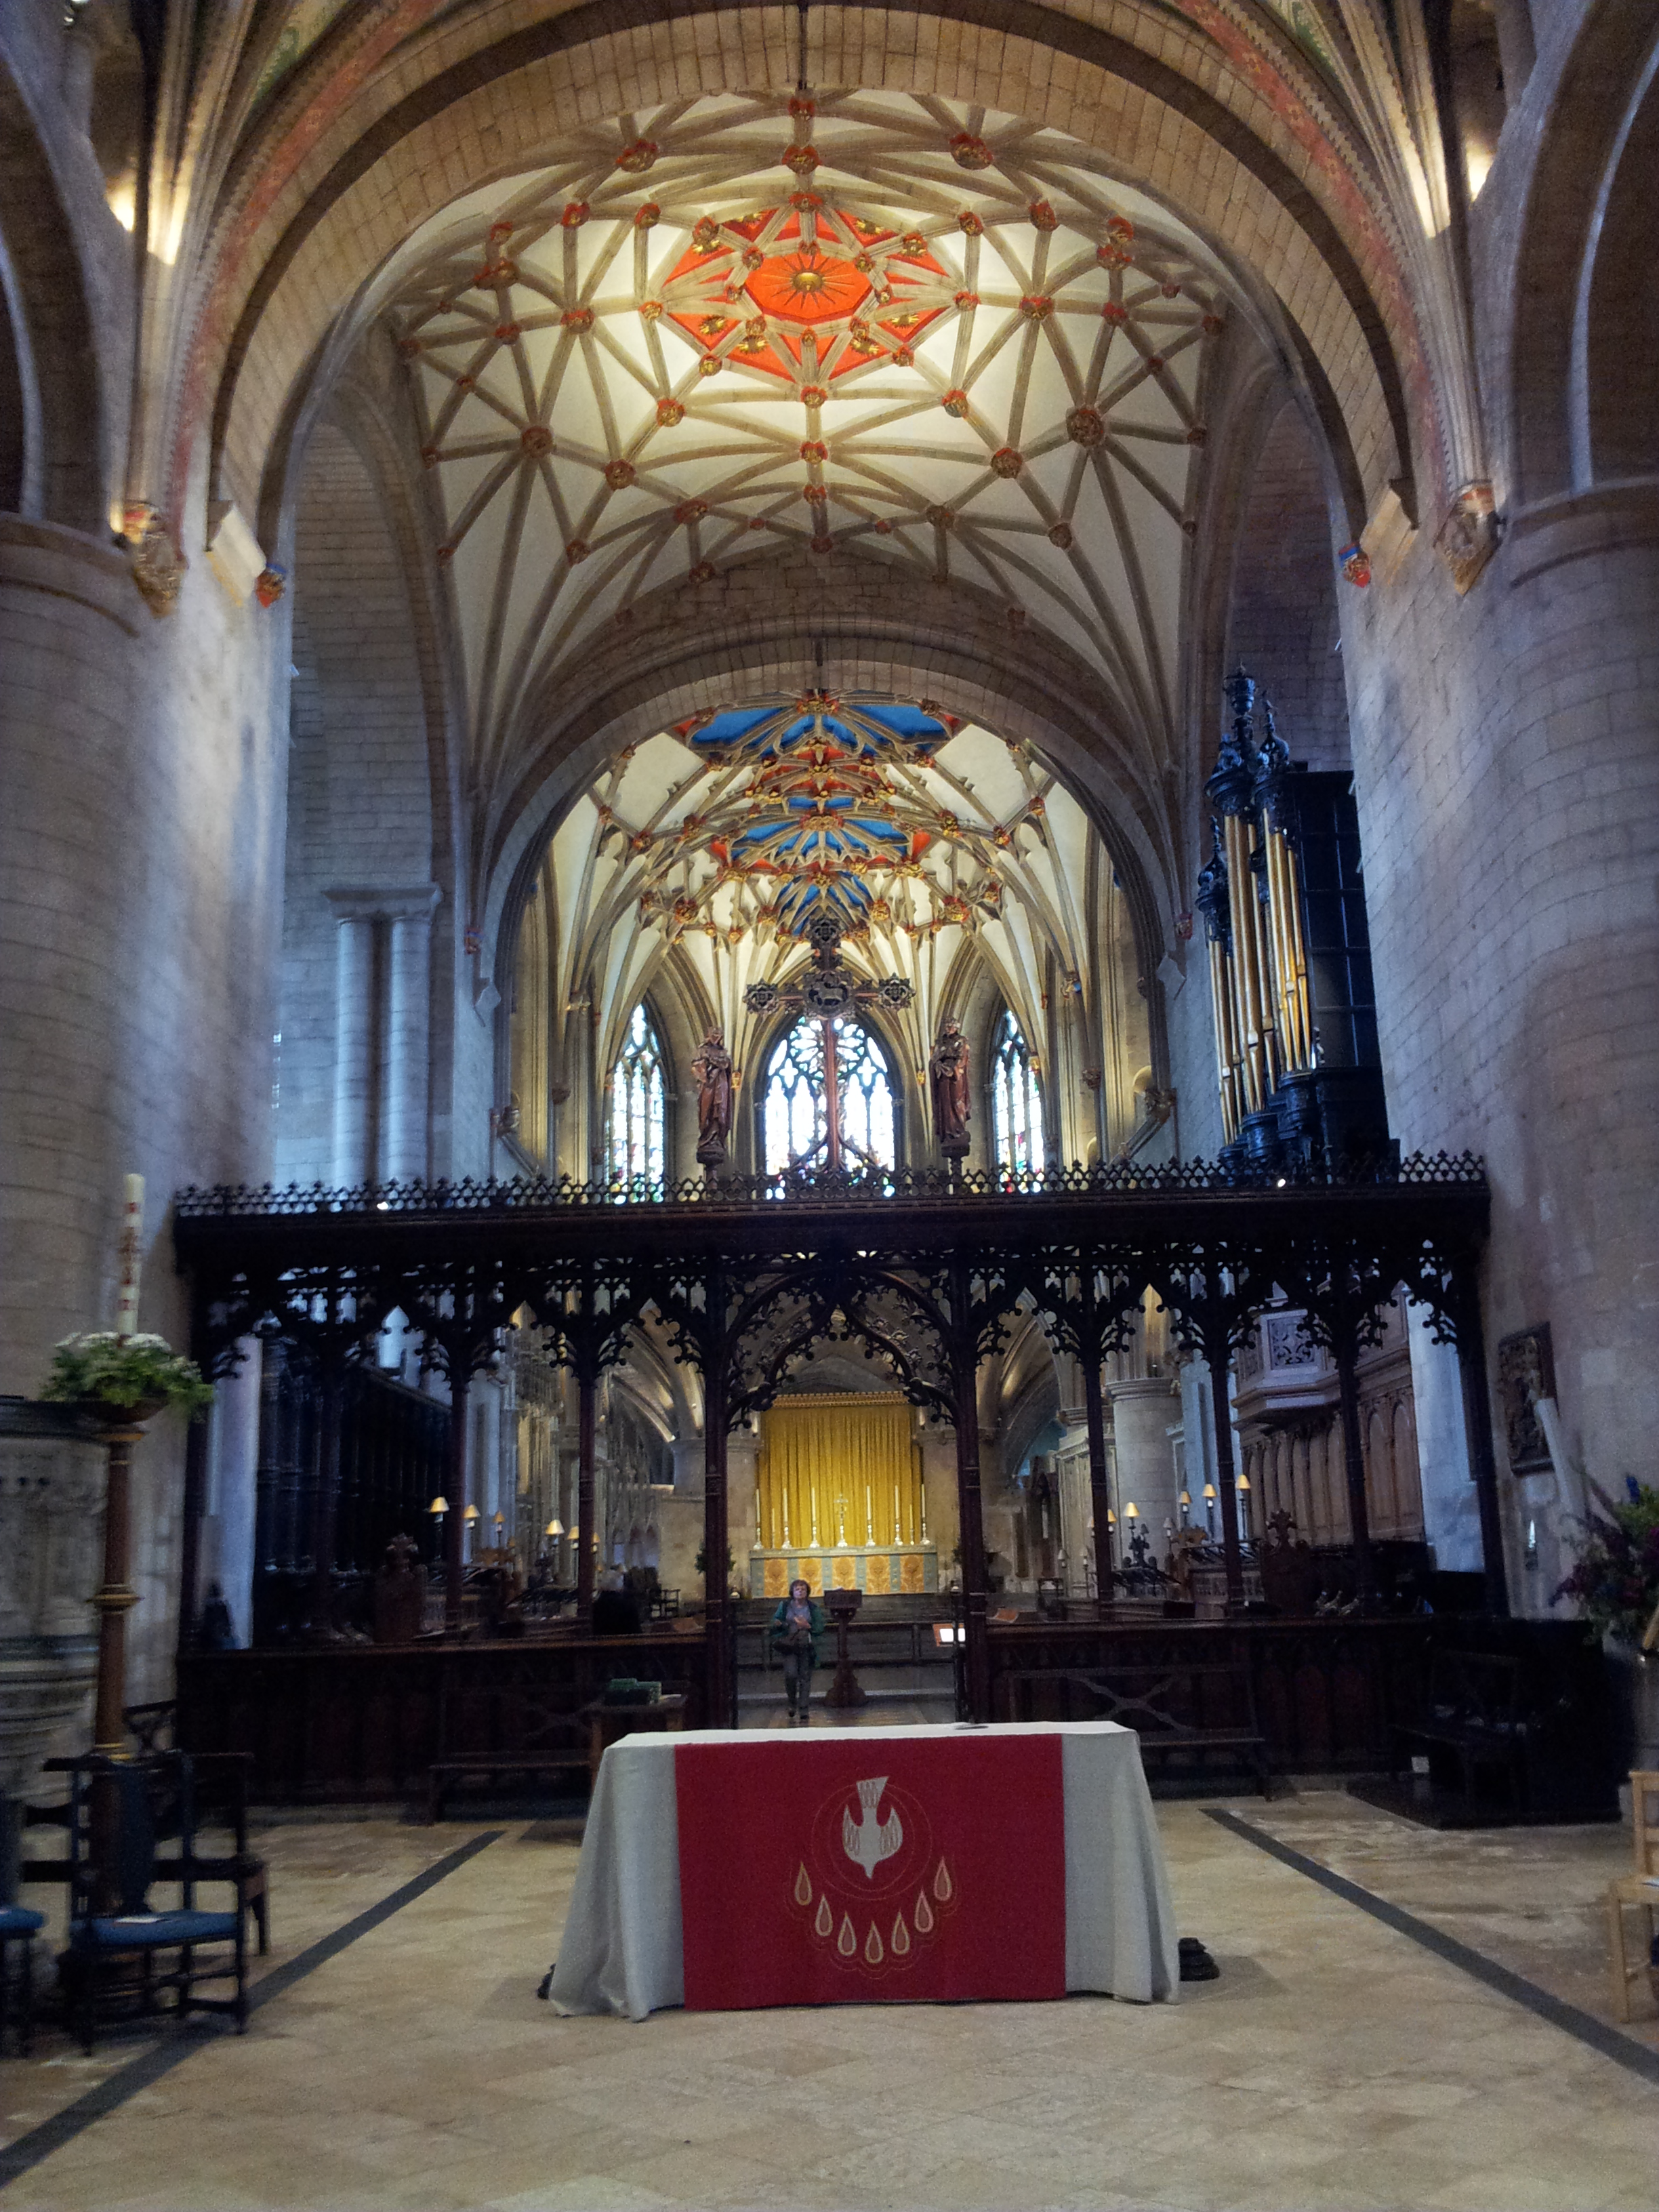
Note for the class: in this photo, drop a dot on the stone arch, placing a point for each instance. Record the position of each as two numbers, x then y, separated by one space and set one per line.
57 469
1597 108
1620 314
1263 181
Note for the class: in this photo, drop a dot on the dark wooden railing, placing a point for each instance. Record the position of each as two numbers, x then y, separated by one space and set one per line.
362 1722
1327 1694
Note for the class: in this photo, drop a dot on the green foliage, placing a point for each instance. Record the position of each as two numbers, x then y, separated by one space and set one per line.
122 1372
1615 1582
700 1563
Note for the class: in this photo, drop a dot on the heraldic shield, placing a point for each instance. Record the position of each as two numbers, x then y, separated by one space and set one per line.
871 1867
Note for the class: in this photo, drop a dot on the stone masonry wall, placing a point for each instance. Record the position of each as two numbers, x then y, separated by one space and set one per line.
140 854
1285 627
360 812
1507 768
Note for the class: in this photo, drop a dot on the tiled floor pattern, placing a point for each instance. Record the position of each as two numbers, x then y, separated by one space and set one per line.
1336 2063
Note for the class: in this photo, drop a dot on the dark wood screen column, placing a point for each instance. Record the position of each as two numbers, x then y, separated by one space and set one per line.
964 1362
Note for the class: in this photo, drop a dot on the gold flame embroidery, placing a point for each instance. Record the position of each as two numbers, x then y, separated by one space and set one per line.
874 1953
944 1888
924 1914
901 1937
847 1942
802 1887
825 1922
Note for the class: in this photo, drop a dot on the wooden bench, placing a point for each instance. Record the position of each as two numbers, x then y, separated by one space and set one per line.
445 1775
1171 1706
1477 1725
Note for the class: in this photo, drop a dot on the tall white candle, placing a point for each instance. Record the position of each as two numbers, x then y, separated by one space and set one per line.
132 1234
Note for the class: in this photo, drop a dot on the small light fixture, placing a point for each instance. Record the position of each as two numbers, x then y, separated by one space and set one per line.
1209 1493
471 1514
1243 1481
440 1506
1111 1518
1186 1498
555 1527
1131 1511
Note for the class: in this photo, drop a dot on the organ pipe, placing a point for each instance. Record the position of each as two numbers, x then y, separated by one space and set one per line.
1213 903
1251 894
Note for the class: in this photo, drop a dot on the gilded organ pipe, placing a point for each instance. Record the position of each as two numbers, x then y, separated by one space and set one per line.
1212 903
1276 807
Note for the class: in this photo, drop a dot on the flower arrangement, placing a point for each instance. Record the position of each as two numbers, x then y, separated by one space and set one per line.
1615 1582
124 1372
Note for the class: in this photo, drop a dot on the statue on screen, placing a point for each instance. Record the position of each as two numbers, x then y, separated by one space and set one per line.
712 1069
948 1074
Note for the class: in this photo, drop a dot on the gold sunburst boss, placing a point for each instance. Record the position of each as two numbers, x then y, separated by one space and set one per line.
807 287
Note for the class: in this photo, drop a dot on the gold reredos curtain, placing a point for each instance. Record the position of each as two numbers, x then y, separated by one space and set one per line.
838 1468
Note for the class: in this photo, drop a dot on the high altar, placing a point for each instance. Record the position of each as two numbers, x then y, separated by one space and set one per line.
840 1499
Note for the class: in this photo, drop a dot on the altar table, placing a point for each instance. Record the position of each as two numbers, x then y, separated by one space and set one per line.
730 1868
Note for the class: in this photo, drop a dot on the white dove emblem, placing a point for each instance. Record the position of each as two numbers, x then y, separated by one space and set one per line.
867 1841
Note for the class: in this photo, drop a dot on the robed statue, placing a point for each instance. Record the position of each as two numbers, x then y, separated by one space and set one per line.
712 1069
948 1074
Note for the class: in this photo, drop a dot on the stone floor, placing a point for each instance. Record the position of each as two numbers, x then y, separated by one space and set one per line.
1336 2063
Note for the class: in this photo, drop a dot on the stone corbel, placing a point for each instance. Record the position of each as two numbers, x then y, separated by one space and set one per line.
1469 536
158 566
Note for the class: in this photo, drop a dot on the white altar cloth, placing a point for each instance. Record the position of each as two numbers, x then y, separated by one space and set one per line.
621 1950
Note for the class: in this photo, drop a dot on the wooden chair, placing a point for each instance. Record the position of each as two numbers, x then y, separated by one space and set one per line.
1637 1892
19 1926
221 1780
116 1938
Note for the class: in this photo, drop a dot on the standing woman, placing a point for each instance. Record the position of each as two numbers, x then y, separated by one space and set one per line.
796 1627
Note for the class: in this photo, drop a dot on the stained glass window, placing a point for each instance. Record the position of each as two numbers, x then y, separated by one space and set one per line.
1016 1099
637 1115
802 1127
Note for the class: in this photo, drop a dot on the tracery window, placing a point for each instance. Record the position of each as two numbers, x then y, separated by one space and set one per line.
638 1110
1015 1100
828 1099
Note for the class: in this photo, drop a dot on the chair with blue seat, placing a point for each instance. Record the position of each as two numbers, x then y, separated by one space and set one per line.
19 1926
118 1943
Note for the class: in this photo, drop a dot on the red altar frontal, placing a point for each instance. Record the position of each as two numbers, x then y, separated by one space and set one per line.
729 1869
922 1869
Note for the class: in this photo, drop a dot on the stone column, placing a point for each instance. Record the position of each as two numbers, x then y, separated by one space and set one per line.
354 1040
407 1043
1141 1413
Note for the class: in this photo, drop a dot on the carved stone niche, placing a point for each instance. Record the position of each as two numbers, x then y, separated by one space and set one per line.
52 1495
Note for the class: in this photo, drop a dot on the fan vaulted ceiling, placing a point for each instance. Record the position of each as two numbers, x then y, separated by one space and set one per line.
923 833
944 339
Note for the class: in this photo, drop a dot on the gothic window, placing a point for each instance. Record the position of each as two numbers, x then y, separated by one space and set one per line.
1016 1101
637 1111
828 1099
